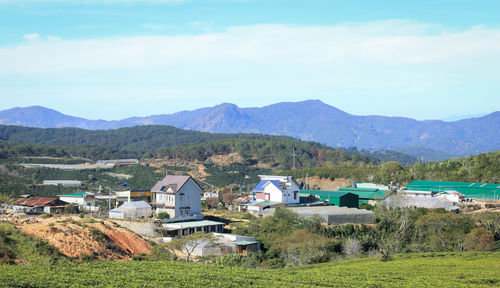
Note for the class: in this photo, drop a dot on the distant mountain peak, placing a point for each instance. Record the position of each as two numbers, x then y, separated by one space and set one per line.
308 120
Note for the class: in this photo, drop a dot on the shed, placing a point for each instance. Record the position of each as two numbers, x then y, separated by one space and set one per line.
131 210
365 195
339 199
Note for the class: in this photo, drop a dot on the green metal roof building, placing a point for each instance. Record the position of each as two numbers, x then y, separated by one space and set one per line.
365 194
339 199
469 189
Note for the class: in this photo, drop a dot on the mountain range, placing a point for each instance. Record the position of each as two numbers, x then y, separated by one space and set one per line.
310 120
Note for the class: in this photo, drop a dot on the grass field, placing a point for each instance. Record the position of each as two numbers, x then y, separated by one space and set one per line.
410 270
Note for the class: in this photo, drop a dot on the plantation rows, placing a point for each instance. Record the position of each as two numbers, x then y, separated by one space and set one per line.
417 270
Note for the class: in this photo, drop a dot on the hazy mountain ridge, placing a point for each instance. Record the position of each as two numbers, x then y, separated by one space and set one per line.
308 120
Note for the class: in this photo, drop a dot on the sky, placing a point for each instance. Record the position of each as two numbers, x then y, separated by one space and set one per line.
112 59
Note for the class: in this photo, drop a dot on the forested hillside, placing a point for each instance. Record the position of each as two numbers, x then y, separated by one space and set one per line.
478 168
138 139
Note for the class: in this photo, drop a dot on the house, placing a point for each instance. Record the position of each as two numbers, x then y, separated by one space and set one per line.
452 196
85 201
277 189
32 204
65 183
180 229
179 196
131 210
336 198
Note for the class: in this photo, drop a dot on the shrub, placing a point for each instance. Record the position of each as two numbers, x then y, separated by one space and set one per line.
479 240
351 248
162 215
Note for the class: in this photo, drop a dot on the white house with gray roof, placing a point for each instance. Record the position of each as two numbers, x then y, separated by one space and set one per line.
277 189
179 196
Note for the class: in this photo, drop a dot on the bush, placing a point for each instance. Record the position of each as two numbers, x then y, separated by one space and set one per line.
351 248
162 215
479 240
45 216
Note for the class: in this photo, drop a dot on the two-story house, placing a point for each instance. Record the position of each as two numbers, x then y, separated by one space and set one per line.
277 189
179 196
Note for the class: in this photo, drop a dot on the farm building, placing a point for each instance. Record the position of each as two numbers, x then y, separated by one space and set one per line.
118 161
366 195
452 196
131 210
66 183
339 199
85 201
469 189
259 207
372 186
332 214
32 204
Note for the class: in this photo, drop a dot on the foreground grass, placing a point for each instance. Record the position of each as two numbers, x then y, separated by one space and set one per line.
417 270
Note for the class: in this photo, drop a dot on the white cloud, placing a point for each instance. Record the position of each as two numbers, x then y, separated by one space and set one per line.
370 45
32 37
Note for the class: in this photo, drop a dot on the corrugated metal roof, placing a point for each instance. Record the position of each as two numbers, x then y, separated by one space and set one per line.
349 189
245 242
75 194
37 201
191 224
470 189
266 203
138 204
322 193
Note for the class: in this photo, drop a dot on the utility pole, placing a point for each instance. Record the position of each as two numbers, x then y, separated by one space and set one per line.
293 156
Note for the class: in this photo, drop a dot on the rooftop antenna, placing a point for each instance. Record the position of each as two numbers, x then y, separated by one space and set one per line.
293 155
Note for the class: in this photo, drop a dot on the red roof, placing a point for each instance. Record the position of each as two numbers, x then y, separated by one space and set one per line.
36 201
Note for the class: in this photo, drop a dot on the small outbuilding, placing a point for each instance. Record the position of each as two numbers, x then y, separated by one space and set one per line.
339 199
131 210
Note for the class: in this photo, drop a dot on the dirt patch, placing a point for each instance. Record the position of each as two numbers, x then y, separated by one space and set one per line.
88 237
227 159
326 183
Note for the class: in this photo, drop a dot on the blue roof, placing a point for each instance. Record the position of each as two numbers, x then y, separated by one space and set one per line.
260 186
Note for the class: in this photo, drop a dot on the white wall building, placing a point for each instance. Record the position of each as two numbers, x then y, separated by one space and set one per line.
70 183
277 189
179 196
131 210
452 196
416 193
85 201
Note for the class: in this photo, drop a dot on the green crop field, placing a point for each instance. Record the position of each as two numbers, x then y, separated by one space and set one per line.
410 270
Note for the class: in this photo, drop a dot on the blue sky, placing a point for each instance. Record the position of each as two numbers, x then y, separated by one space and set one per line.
119 58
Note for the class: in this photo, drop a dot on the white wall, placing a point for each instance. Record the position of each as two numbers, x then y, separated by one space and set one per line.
191 198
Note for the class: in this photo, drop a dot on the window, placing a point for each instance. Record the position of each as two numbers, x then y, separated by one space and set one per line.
294 195
181 197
